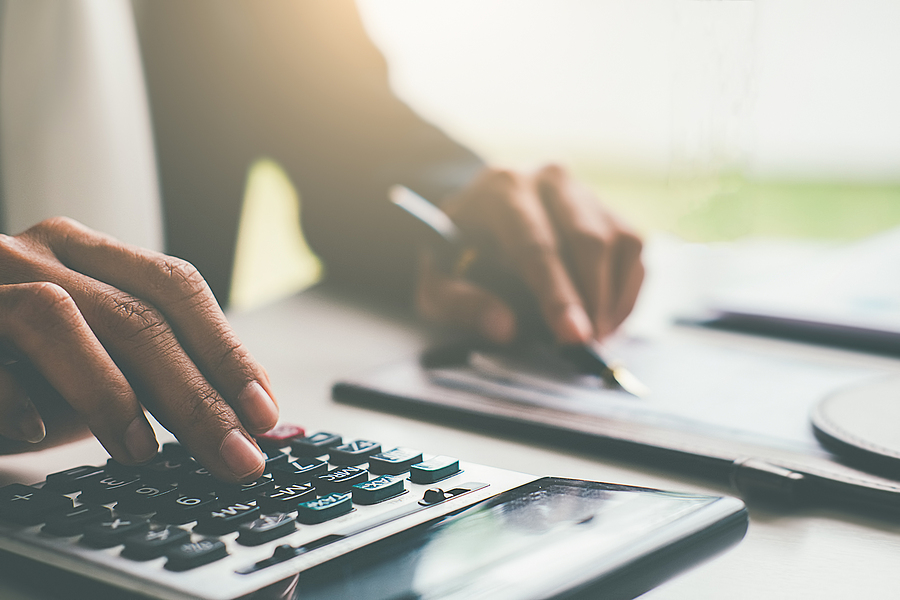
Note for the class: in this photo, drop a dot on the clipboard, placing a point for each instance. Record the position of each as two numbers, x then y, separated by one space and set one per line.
735 415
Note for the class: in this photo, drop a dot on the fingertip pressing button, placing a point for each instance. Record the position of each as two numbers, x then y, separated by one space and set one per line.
259 409
240 455
140 441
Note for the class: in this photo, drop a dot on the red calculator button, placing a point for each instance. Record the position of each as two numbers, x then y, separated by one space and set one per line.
280 436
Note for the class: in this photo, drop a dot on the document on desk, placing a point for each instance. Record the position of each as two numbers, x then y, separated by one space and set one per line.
692 386
844 295
731 410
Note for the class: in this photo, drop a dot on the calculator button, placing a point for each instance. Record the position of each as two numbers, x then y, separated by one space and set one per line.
280 436
164 471
113 531
195 554
199 480
394 462
73 522
323 509
72 480
101 490
340 479
175 452
144 498
29 505
265 529
246 491
227 517
275 458
184 508
299 471
433 469
353 453
315 445
378 489
154 542
286 498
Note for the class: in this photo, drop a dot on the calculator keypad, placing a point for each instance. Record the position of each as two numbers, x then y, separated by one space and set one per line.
378 489
394 462
299 471
433 470
325 508
72 480
280 436
227 518
316 444
29 505
154 542
74 521
286 498
340 479
353 453
112 531
265 529
172 507
195 554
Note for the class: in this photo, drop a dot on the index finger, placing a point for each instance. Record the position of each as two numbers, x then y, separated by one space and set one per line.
527 237
179 291
604 252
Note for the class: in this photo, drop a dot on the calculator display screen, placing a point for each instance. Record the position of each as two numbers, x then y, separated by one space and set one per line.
546 535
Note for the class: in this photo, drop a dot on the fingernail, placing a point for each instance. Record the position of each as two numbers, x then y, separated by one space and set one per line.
573 326
140 441
259 410
30 426
498 324
240 455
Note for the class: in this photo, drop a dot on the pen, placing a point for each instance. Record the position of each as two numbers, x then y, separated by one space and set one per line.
460 259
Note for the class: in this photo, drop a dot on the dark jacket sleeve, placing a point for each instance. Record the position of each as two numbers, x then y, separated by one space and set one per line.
298 81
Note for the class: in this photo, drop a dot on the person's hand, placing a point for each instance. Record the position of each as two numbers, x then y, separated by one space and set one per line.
112 329
581 262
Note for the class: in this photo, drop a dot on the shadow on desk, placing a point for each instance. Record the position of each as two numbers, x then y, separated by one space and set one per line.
25 579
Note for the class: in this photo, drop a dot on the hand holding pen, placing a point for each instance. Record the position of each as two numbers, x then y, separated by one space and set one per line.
581 264
520 287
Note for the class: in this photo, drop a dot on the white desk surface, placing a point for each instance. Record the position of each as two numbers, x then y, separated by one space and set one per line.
309 341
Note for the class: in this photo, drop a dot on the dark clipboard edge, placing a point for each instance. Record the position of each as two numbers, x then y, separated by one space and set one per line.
835 335
753 476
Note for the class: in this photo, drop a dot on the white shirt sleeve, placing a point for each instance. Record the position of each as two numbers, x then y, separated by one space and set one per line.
75 132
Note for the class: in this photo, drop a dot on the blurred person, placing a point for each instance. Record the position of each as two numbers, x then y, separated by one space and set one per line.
109 328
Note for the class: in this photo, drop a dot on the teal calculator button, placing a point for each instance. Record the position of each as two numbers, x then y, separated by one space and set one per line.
394 461
433 469
378 489
325 508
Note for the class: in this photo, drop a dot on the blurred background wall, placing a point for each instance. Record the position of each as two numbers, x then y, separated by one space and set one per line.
709 119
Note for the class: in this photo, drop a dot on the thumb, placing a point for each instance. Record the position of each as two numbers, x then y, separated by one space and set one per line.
445 299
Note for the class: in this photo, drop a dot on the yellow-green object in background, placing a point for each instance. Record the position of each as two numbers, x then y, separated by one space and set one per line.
272 258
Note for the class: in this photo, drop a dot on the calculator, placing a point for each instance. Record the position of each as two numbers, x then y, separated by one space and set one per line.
335 517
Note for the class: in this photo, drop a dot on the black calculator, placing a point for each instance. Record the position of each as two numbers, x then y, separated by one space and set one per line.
336 517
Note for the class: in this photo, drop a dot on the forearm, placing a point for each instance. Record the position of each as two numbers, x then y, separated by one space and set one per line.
300 82
366 242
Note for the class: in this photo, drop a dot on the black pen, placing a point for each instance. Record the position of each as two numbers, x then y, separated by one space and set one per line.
460 259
